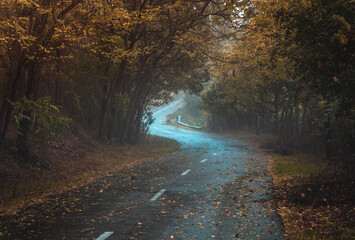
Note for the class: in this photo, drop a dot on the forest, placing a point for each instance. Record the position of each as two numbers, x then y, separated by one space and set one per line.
101 63
290 73
288 76
282 69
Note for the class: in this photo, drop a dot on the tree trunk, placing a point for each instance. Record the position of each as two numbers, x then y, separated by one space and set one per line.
106 100
13 78
304 119
327 139
258 125
236 112
132 110
21 140
5 114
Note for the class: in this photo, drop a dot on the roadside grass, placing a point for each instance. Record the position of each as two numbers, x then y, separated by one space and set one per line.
300 165
314 199
104 160
156 146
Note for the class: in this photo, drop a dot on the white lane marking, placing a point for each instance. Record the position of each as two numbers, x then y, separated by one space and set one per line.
104 235
156 196
204 160
214 154
155 128
186 172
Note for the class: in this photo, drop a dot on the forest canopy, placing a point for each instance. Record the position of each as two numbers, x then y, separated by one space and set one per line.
284 67
103 63
290 72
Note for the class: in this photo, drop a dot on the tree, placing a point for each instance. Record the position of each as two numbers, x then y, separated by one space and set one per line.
33 33
150 41
296 56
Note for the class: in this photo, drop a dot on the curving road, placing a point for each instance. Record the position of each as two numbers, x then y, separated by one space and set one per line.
214 187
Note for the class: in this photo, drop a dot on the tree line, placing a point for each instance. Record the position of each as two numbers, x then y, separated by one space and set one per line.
289 71
101 63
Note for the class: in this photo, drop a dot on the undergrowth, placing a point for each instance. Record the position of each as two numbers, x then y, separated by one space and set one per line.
314 197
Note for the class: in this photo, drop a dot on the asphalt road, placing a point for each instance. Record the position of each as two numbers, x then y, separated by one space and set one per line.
214 187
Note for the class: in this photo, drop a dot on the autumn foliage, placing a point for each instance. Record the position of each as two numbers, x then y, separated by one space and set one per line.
289 71
102 63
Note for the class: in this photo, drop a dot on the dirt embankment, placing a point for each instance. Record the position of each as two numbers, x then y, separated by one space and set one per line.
70 161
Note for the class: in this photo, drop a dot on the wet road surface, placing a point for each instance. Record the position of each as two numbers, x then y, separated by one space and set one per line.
214 187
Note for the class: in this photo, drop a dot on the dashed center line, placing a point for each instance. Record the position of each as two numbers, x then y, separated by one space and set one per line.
104 235
156 196
214 154
186 172
204 160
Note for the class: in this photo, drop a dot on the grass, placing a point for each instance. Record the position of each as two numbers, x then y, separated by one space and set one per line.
300 165
99 163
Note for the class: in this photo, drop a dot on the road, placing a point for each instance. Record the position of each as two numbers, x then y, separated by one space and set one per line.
214 187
